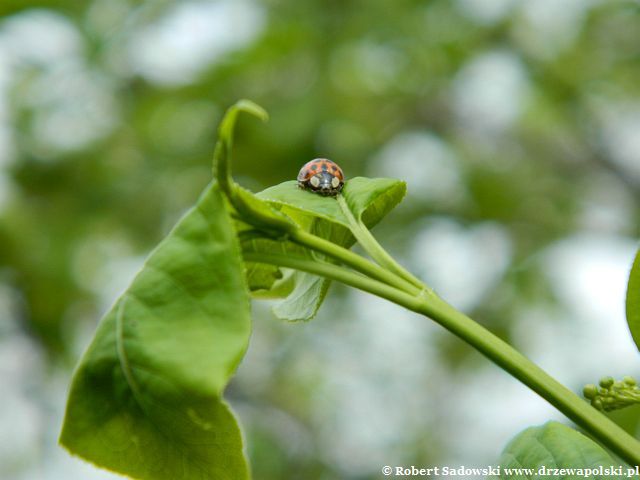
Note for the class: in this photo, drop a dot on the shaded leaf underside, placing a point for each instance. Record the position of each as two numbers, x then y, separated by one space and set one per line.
146 398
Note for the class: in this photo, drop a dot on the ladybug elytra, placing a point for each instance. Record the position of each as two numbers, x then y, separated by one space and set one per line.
321 176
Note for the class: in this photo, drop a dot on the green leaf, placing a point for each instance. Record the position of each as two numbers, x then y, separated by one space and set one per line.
146 399
554 446
633 300
305 299
369 199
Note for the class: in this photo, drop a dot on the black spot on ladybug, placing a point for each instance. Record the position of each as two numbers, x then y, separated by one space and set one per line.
334 168
314 167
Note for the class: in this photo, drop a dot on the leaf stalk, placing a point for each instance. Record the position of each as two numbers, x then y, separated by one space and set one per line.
373 248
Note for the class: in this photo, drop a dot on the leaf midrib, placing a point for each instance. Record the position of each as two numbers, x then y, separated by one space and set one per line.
135 389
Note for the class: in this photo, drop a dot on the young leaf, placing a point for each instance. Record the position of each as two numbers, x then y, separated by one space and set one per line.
302 293
633 300
369 199
305 299
288 208
145 399
553 445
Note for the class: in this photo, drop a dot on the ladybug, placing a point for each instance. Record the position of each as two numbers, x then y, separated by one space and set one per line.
321 176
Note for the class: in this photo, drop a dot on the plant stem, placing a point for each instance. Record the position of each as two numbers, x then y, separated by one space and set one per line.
507 357
494 348
338 273
373 248
353 260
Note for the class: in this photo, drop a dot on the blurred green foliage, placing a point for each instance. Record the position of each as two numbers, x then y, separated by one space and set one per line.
104 148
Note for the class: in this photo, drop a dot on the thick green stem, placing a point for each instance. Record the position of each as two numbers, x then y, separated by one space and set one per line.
505 356
497 350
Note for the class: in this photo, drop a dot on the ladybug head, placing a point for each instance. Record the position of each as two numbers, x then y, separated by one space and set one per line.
324 181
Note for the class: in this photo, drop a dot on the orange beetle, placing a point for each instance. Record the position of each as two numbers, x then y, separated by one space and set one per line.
321 176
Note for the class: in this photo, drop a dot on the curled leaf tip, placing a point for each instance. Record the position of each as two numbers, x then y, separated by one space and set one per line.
222 155
252 210
252 108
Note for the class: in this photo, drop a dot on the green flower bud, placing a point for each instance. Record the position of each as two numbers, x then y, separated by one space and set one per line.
597 403
613 394
590 391
606 382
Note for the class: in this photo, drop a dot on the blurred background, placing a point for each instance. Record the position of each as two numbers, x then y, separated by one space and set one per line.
515 124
